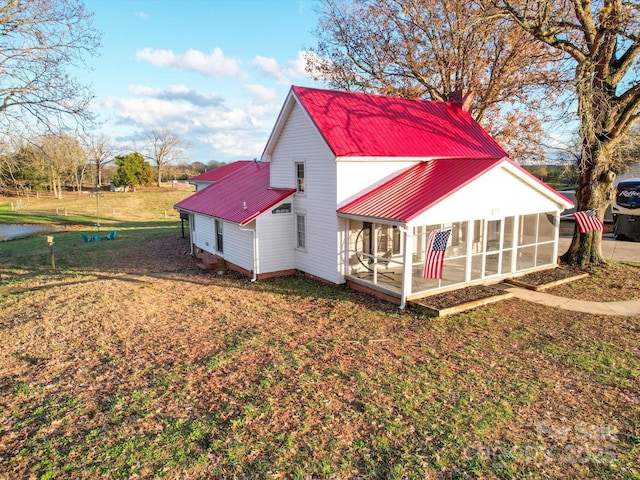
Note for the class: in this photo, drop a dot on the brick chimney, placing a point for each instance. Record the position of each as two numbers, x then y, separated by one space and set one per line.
462 98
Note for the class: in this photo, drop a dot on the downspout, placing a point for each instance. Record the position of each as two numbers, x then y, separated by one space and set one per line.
255 256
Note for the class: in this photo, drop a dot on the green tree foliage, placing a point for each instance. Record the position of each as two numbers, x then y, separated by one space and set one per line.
19 171
133 170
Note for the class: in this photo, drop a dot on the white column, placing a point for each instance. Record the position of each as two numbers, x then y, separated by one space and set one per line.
407 267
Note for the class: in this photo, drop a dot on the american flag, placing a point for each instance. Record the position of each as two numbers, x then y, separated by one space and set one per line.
588 221
435 253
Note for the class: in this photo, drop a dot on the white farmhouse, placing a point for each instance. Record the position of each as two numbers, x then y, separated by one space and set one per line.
350 185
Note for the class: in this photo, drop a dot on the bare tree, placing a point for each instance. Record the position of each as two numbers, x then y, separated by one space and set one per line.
61 156
100 151
602 40
165 147
431 48
39 40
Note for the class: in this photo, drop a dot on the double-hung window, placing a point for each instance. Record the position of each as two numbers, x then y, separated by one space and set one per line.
219 235
300 177
301 232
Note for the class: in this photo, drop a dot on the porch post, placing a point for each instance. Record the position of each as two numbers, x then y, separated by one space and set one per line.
407 269
374 251
556 237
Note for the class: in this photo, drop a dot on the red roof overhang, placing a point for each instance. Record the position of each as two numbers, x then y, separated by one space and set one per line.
421 186
239 197
222 171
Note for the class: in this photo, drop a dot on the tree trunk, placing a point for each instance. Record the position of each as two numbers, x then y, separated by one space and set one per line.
54 185
159 176
60 187
595 192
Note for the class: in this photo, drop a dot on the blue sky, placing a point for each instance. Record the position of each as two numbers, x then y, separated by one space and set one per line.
214 71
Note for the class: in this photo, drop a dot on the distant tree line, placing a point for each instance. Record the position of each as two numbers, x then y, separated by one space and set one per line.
60 162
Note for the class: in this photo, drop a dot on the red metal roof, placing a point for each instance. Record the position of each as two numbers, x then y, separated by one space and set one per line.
418 188
421 186
357 124
238 197
219 173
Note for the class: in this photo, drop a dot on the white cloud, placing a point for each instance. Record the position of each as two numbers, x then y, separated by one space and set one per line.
142 15
241 147
270 67
295 69
146 112
214 65
298 67
262 94
221 129
178 93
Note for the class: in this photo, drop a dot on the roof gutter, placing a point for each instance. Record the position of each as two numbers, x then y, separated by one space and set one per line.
366 218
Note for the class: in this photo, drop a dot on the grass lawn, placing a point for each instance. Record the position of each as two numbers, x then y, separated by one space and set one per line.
126 362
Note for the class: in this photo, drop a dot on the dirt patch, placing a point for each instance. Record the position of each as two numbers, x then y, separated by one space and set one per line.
460 296
538 280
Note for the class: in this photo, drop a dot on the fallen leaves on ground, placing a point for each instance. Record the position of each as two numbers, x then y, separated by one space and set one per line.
171 372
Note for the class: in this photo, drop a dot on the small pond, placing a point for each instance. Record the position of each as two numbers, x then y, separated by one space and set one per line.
13 232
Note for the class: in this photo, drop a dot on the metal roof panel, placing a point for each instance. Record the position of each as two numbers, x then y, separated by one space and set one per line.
219 173
413 191
238 197
358 124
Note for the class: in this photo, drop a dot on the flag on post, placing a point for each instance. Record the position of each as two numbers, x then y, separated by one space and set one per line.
588 221
435 253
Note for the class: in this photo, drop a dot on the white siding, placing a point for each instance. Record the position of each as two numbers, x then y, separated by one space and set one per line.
276 241
300 142
237 245
201 185
355 178
497 193
204 235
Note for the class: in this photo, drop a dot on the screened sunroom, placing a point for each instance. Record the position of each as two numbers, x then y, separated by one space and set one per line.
478 251
503 223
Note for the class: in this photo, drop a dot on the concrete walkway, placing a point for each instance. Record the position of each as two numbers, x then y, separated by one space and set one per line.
626 307
612 249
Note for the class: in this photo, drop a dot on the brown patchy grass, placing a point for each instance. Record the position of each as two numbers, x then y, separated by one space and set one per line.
180 374
612 282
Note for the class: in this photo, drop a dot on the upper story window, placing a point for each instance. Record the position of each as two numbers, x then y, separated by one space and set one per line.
300 177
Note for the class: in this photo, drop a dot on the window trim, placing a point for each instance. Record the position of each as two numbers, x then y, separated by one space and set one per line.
297 165
219 236
300 246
